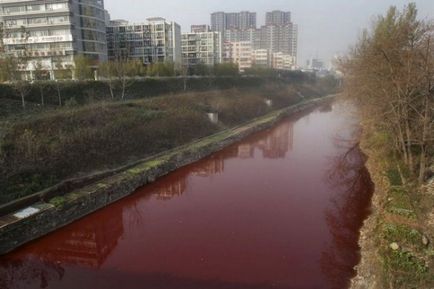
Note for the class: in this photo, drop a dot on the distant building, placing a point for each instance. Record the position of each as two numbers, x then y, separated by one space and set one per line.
107 18
261 58
282 61
221 21
236 35
279 34
232 20
227 52
202 48
200 28
247 20
241 54
277 17
315 64
55 32
279 39
151 42
218 22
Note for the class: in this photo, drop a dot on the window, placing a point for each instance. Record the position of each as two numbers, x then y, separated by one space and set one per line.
36 21
35 7
14 9
56 6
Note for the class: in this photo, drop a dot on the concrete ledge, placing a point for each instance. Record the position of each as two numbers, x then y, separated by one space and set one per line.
21 227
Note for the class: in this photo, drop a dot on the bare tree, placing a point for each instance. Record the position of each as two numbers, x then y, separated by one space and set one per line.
18 65
107 70
390 72
40 75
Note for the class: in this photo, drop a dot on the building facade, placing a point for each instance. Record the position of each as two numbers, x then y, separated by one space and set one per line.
277 17
247 20
202 48
200 28
218 21
279 34
221 21
280 39
52 33
282 61
261 58
151 42
241 54
235 35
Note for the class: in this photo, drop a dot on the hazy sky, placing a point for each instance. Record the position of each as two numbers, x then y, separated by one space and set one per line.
326 27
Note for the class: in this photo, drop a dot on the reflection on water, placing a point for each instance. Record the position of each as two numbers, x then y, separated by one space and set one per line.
350 206
274 145
282 209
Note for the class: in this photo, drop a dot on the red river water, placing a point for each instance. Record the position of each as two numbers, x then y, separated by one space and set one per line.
281 209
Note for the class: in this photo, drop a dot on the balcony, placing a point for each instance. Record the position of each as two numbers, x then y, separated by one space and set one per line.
40 39
35 12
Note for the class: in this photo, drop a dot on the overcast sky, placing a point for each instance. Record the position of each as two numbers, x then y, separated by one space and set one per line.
326 27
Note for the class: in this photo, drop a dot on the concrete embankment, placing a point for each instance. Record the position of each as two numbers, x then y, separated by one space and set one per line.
41 218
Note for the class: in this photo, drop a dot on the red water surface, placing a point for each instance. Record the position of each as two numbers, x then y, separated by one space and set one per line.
282 209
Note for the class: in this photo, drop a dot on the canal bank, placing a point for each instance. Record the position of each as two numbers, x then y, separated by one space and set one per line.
39 219
280 209
396 239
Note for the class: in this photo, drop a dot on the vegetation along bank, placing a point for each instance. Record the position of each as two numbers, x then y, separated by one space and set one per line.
49 145
390 74
51 211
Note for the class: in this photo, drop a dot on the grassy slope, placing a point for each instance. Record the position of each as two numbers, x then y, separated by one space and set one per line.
397 219
44 147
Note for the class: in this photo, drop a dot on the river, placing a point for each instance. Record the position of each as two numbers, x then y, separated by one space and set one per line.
281 209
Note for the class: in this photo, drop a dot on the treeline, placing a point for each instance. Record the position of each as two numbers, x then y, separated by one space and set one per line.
73 93
390 73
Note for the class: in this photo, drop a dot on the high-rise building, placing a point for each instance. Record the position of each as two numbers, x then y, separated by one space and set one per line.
107 17
277 17
52 33
279 34
152 42
252 35
202 48
247 20
218 21
200 28
221 21
279 38
232 20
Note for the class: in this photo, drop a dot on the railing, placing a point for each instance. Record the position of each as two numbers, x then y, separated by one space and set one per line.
35 12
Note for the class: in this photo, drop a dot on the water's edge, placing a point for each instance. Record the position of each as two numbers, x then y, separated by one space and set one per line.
369 269
43 218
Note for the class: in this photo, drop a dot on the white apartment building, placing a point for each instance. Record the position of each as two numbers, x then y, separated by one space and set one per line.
202 48
51 33
282 61
151 42
241 54
262 58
